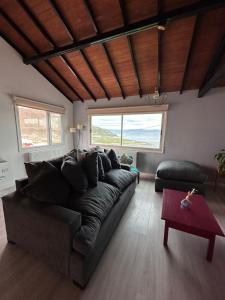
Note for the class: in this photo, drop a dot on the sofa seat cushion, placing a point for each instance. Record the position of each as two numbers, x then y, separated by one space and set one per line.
181 171
96 202
120 178
94 206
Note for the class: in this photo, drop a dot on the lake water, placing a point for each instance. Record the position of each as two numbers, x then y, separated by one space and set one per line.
141 135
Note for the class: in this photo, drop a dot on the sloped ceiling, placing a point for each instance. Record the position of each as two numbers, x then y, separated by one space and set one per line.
122 67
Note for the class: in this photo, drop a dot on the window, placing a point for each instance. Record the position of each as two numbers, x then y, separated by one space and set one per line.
38 127
33 127
143 130
136 130
56 128
106 130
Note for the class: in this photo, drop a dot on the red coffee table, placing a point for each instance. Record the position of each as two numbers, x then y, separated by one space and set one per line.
197 219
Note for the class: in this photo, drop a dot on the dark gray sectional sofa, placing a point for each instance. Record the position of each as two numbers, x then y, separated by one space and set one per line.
70 239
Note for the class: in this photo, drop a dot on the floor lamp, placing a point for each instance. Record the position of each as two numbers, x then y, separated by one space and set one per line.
77 130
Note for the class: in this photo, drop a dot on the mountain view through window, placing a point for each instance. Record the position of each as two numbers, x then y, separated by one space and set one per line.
127 130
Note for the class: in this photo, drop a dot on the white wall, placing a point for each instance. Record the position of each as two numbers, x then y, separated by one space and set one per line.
195 128
18 79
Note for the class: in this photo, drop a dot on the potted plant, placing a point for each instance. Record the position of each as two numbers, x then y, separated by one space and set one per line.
126 159
220 157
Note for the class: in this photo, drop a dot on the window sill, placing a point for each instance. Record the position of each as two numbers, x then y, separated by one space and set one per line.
134 149
41 148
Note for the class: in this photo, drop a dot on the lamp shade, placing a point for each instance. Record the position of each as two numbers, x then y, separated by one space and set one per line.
79 126
72 130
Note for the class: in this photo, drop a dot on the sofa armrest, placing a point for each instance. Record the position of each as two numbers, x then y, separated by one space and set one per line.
20 183
68 217
125 167
45 230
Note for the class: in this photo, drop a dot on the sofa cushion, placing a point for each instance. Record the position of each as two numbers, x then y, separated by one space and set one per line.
120 178
97 148
90 165
105 161
48 186
96 202
76 153
94 206
101 172
181 171
57 162
114 159
74 174
33 168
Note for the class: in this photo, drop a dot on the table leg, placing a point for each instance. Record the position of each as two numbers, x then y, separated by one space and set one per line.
166 232
210 248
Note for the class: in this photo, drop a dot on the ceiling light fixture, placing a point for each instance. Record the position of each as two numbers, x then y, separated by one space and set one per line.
161 27
156 98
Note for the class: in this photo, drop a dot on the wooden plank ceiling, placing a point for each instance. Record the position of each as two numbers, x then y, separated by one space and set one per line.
108 70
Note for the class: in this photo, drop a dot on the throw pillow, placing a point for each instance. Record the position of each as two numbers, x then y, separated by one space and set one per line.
74 174
76 153
57 162
101 173
114 159
32 169
48 186
105 162
90 164
97 149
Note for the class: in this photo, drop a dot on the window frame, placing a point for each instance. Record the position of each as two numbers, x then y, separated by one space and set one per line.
150 110
49 138
50 129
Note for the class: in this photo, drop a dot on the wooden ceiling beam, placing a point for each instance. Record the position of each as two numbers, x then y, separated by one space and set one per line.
94 73
159 38
62 18
131 48
151 22
212 66
39 25
52 82
73 38
91 16
52 42
64 80
190 52
212 74
12 44
33 46
220 73
107 54
15 47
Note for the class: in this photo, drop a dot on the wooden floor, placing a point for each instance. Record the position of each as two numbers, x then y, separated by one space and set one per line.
135 264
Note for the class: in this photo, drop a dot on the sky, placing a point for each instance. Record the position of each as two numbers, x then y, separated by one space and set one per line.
140 121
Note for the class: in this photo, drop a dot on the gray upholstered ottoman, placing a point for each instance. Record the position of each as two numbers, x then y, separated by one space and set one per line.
180 175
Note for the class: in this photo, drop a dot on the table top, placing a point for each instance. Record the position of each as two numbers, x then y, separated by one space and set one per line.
197 215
